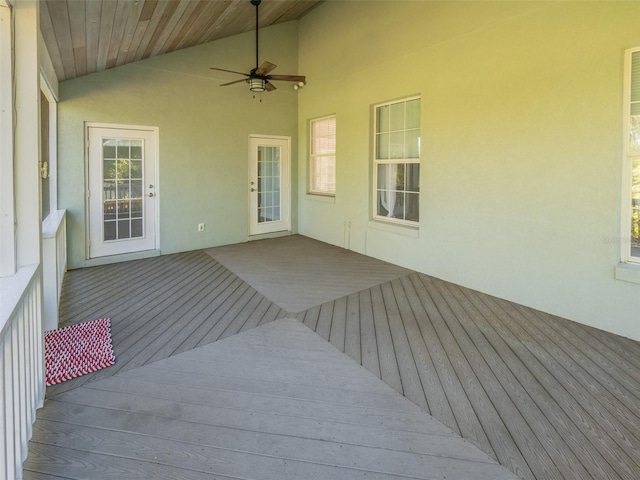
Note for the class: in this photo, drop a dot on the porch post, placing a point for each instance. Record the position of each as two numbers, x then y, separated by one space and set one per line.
7 213
27 143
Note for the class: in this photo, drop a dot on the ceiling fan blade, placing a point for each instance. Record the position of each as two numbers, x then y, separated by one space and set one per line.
265 68
229 71
270 87
231 83
288 78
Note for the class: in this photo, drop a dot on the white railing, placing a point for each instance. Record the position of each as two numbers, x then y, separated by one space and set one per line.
54 265
21 365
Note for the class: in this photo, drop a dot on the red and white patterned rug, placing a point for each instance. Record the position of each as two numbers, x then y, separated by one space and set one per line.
77 350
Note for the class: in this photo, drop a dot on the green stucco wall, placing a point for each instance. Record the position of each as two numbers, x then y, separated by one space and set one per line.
521 143
203 134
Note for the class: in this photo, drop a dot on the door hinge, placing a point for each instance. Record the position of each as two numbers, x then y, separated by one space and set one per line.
88 193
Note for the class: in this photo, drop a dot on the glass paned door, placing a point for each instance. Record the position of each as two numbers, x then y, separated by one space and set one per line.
268 185
122 191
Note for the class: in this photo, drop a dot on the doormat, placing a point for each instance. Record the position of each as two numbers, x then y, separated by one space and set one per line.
76 350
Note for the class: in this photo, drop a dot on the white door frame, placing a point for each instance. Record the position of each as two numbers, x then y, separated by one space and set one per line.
155 179
285 187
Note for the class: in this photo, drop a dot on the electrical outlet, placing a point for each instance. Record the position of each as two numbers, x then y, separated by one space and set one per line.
201 227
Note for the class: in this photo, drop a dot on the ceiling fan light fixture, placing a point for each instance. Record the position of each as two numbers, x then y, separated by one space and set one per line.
257 84
259 78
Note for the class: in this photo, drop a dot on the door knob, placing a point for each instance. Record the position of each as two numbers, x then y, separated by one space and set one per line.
150 194
253 189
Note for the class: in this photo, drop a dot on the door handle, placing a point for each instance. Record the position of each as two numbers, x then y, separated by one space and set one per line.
253 189
150 194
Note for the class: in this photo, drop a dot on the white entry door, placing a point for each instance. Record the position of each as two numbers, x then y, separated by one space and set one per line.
122 190
269 188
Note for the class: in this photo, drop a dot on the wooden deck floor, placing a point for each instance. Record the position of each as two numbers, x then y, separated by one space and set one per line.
298 273
160 307
545 397
273 403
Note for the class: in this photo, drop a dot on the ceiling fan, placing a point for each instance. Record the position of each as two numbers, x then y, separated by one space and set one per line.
258 78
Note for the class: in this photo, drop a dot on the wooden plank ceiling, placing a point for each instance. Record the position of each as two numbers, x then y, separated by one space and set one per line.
87 36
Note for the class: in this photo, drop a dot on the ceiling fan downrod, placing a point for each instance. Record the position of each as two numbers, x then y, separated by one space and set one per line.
259 77
256 3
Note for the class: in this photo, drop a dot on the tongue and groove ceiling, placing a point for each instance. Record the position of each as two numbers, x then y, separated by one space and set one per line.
87 36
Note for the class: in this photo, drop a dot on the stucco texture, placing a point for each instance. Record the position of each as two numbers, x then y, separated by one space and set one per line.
521 160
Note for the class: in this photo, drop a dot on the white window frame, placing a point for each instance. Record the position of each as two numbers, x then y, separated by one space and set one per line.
46 89
626 208
315 156
376 162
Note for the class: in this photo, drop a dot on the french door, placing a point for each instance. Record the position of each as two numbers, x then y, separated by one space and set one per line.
269 187
122 190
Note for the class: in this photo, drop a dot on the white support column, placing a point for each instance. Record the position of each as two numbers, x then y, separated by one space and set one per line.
7 213
27 133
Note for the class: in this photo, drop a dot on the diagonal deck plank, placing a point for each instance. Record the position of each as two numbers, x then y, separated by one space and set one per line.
546 397
532 428
92 297
570 413
179 301
570 418
433 389
157 422
466 419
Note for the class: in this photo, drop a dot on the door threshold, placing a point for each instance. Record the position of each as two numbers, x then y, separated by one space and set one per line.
263 236
124 257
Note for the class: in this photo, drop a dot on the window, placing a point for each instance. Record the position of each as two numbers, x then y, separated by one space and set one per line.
396 169
631 193
322 156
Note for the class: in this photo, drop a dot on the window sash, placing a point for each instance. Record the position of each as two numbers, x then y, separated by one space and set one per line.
322 156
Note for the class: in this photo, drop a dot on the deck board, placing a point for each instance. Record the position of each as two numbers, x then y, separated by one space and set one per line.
502 441
295 280
411 384
351 344
573 421
325 318
608 393
568 414
546 397
466 419
288 421
176 305
95 294
338 323
389 370
530 428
